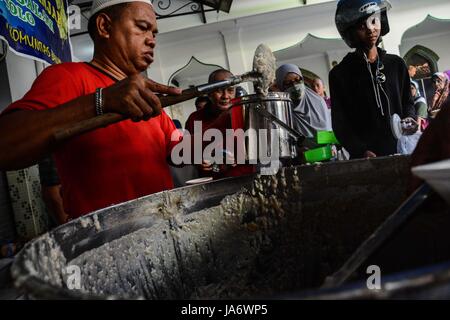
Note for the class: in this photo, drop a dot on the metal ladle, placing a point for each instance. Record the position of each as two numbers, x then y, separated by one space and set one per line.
262 75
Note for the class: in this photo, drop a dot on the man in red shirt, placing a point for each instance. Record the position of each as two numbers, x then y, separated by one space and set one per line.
111 165
217 115
218 105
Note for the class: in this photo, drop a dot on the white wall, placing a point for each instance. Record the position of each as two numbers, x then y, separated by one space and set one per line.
408 13
318 64
21 74
168 60
173 56
5 93
439 43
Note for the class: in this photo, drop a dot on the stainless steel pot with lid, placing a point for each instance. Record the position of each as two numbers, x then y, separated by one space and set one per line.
268 122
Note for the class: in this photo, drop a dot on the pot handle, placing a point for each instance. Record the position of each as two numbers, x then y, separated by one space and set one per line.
297 135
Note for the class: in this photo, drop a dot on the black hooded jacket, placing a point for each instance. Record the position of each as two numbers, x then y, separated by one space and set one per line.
357 121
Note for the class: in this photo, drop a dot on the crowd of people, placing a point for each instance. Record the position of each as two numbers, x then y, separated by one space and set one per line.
131 159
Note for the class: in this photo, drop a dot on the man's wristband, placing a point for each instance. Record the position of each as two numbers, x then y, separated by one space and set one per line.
99 101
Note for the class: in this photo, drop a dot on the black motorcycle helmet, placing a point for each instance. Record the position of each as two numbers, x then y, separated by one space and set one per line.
350 12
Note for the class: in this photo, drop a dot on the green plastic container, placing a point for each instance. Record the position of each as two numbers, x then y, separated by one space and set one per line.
319 154
326 137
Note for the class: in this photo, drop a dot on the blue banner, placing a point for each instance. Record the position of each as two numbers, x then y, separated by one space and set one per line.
37 29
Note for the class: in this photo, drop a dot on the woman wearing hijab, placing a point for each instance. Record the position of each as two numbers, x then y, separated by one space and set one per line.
441 84
420 105
310 111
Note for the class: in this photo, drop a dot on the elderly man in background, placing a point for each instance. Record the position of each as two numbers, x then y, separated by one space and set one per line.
217 115
111 165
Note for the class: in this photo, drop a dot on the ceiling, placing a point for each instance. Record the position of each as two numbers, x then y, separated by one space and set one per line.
167 8
164 9
82 46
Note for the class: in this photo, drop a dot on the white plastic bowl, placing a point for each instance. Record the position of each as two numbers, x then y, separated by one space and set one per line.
437 175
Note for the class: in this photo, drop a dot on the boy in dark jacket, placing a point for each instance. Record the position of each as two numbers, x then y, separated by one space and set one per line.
369 85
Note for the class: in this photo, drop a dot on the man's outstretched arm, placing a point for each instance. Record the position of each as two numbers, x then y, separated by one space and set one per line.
27 135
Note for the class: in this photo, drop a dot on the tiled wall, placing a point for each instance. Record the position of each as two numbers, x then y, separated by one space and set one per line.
24 200
29 211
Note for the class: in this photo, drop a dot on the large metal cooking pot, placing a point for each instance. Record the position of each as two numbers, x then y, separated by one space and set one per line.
266 133
243 237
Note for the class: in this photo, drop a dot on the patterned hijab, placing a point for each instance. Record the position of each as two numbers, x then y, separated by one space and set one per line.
441 94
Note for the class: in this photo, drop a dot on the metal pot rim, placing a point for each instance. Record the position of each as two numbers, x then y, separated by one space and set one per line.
272 96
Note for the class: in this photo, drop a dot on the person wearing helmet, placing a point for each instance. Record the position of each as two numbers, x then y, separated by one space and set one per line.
369 85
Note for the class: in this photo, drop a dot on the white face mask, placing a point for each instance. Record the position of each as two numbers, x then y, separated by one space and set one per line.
297 92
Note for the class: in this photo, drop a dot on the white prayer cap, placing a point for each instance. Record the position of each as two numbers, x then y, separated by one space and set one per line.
98 5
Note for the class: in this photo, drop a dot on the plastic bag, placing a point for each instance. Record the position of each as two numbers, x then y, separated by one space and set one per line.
407 144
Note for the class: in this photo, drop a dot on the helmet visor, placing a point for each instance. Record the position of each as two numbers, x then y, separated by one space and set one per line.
373 22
